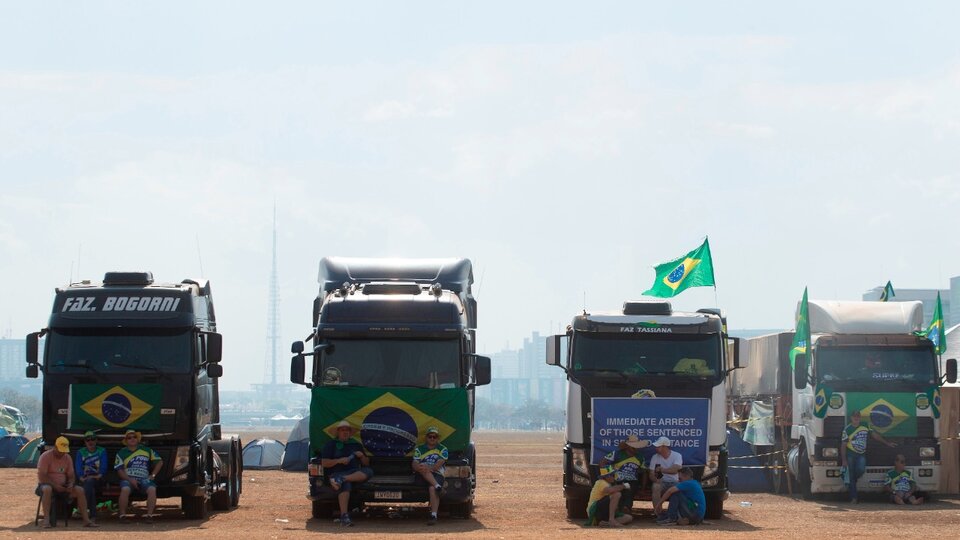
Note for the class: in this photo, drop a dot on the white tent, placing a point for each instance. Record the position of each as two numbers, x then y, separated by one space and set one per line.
263 454
297 452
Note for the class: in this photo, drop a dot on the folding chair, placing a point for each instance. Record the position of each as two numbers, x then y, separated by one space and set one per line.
59 509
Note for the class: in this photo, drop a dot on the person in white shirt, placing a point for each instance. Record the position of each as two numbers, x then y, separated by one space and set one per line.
664 466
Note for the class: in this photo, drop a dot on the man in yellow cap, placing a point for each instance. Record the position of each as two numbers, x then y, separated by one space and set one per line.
133 467
603 504
55 476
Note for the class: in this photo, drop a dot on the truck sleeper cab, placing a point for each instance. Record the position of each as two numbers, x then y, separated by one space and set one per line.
129 353
394 353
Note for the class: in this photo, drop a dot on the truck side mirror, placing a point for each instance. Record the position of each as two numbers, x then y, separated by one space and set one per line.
296 347
482 370
737 361
952 370
553 351
33 340
297 369
800 369
214 371
214 348
33 371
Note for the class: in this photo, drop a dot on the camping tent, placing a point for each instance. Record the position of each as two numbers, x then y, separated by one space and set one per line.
297 452
10 448
30 454
262 454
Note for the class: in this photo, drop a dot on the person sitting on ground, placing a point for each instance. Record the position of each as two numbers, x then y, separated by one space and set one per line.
664 466
91 465
628 464
604 501
55 476
687 502
853 450
428 460
344 464
900 483
133 467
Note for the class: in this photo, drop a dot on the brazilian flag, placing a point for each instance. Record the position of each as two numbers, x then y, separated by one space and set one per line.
935 332
821 401
801 338
695 269
890 414
933 395
128 406
390 422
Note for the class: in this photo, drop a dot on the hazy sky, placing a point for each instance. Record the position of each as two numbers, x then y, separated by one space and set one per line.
565 148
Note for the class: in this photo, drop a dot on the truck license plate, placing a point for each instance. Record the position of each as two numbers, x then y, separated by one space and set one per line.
387 495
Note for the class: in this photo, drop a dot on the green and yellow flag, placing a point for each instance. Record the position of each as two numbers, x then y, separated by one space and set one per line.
887 293
390 422
892 414
821 400
695 269
801 339
128 406
935 332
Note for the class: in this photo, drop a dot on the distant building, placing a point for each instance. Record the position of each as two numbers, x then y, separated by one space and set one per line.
13 355
951 314
518 376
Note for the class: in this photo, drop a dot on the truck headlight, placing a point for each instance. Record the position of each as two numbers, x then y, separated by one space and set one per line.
713 462
830 452
927 451
578 458
456 471
182 459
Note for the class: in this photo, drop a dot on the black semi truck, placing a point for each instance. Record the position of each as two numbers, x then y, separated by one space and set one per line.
394 353
129 353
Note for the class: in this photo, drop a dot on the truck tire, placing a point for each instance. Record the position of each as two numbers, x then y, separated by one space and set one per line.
236 478
714 506
220 500
576 508
461 510
776 473
194 507
803 475
323 509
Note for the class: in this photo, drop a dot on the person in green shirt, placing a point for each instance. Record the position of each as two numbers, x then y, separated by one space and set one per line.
133 467
853 450
900 484
628 465
428 461
604 501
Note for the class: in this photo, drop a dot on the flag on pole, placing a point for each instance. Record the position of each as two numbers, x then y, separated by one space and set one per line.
695 269
935 332
887 292
801 339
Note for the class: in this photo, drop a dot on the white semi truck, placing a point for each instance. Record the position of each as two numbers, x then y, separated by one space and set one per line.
647 371
863 356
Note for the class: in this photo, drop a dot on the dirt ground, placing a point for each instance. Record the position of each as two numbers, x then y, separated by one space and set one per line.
519 496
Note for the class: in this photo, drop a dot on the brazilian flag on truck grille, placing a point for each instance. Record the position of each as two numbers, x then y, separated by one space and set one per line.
891 414
127 406
390 422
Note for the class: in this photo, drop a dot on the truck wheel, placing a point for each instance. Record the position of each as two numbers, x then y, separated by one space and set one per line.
714 506
236 477
576 508
803 475
776 473
322 509
461 510
194 507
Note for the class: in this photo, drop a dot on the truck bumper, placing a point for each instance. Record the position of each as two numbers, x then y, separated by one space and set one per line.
827 479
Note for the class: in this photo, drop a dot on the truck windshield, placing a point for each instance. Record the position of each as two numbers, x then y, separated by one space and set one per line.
675 354
119 350
872 364
392 362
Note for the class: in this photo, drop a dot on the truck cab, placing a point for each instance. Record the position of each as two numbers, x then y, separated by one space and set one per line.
393 352
659 373
129 353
